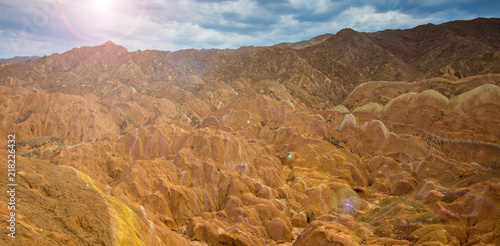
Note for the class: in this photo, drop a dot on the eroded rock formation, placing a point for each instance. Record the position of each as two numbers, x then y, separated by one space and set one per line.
257 146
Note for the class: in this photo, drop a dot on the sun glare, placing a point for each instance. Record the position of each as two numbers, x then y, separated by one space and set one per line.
100 20
102 5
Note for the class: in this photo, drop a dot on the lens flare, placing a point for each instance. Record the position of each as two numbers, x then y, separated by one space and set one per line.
102 5
99 9
346 201
349 206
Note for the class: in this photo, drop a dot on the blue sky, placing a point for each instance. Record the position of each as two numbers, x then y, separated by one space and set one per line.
43 27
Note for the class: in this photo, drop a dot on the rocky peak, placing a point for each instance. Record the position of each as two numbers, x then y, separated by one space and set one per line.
347 32
109 42
111 48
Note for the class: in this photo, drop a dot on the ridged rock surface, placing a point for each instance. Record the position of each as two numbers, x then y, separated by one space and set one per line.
236 147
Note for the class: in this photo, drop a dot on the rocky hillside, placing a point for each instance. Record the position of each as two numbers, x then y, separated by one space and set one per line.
386 138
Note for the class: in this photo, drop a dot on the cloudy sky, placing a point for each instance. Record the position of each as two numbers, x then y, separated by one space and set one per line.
43 27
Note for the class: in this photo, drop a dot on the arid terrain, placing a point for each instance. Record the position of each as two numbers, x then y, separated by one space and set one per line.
384 138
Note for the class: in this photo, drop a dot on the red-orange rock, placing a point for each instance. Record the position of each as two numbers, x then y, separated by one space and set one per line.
299 220
278 230
326 233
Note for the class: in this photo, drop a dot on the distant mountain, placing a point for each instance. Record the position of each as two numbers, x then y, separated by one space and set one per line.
20 58
319 72
306 43
429 48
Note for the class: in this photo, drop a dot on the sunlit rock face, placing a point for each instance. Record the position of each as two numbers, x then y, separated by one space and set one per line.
256 146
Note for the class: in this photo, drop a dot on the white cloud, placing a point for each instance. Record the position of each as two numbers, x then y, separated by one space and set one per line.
16 45
174 35
367 19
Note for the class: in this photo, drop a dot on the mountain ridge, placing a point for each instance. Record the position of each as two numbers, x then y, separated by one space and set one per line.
19 58
346 52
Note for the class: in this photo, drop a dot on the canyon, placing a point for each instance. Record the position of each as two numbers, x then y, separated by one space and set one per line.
384 138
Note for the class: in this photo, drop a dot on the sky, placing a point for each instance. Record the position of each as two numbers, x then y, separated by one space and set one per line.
44 27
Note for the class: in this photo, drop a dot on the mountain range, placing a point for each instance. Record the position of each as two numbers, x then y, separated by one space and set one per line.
20 58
